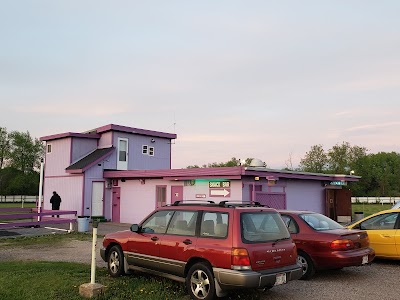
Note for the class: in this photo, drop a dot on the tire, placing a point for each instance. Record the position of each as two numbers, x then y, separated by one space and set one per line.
200 282
307 265
115 261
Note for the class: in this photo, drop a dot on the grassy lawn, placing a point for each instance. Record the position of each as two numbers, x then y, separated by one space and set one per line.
369 208
60 280
17 204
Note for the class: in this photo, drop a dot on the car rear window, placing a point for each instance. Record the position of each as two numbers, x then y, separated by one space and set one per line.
259 227
320 222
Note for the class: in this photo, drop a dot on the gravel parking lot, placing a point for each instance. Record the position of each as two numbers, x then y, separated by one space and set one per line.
378 281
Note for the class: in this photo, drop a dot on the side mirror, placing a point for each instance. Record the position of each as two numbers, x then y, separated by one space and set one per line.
135 228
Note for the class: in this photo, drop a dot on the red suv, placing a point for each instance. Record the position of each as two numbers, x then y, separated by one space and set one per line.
212 247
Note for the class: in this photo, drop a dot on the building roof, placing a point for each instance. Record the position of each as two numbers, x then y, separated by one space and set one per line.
96 133
113 127
89 160
226 173
70 134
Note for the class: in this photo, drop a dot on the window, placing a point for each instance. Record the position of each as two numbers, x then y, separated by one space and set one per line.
157 223
145 149
381 222
214 224
183 223
48 148
262 227
290 224
122 159
320 222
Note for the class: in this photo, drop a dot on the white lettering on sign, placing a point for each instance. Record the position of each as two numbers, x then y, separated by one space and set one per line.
219 184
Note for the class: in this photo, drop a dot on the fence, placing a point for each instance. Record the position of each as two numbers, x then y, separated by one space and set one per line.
27 217
18 198
380 200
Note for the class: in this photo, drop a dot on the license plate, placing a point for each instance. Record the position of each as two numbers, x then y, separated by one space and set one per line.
365 259
280 279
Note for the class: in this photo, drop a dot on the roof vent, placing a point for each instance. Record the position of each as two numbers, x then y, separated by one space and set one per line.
257 163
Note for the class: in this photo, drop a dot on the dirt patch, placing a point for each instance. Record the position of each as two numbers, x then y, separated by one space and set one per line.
69 251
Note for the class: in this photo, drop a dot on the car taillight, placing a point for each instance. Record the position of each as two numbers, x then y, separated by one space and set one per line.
342 245
240 259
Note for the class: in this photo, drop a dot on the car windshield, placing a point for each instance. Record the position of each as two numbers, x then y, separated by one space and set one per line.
259 227
397 205
320 222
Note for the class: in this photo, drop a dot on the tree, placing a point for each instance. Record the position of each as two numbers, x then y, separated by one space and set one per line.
233 162
4 146
342 157
315 160
25 152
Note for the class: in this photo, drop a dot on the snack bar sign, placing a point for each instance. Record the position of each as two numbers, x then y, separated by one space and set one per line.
220 188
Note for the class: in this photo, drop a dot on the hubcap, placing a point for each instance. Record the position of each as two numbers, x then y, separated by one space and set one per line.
114 262
303 263
200 284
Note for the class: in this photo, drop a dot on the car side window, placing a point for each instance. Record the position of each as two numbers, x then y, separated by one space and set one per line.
214 224
183 223
381 222
157 223
290 224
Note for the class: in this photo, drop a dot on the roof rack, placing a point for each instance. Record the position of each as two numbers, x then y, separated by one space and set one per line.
228 203
192 202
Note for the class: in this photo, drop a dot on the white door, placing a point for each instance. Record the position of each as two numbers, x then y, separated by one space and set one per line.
122 159
97 198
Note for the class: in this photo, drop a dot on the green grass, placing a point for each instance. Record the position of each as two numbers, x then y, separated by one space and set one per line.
60 280
17 204
369 208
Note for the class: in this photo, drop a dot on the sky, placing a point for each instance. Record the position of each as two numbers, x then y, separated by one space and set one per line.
262 79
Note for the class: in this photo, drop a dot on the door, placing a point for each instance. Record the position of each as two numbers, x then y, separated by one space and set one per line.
161 195
97 198
176 193
330 204
343 203
116 198
122 159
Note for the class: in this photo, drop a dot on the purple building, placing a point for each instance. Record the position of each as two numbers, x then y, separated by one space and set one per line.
122 173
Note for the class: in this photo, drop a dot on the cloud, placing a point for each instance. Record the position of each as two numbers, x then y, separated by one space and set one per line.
372 126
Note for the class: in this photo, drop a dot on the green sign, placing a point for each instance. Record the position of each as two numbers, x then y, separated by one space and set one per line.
338 182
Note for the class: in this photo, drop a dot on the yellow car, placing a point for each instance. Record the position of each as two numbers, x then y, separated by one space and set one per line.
383 231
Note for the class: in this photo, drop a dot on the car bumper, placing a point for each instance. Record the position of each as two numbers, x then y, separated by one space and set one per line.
103 253
232 279
341 259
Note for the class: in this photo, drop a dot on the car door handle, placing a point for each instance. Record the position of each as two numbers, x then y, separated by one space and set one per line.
386 236
154 238
187 242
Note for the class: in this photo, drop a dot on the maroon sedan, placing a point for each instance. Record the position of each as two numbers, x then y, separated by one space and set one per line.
325 244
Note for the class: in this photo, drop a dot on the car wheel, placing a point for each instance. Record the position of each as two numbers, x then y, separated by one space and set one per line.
200 282
115 261
306 264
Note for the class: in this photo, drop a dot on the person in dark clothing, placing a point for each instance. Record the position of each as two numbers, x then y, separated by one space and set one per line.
55 201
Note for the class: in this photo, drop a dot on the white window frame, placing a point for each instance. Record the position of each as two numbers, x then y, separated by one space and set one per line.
49 148
151 151
145 149
122 164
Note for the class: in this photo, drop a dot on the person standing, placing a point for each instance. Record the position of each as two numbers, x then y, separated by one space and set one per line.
55 201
